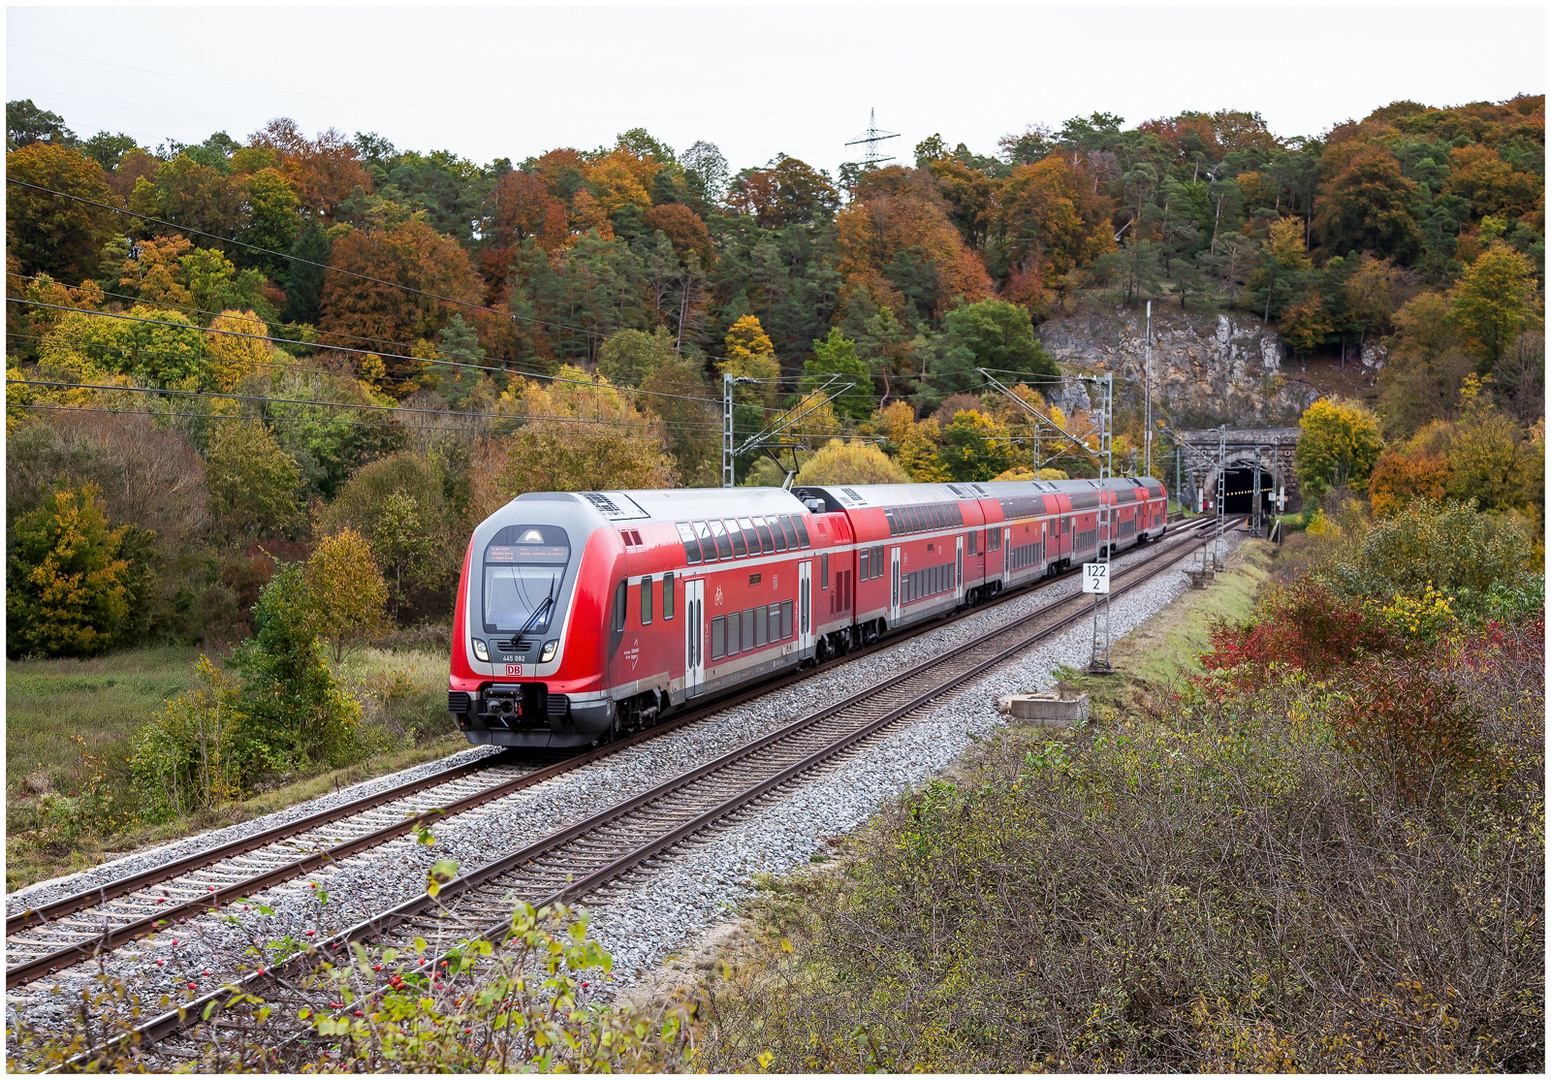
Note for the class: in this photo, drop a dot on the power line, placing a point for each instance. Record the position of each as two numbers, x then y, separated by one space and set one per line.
381 355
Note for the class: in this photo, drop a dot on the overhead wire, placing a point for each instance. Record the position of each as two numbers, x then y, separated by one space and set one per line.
486 368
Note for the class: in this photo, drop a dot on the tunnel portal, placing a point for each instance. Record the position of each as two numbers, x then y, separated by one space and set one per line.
1239 490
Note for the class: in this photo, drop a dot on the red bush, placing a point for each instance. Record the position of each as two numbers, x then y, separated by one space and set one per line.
1306 626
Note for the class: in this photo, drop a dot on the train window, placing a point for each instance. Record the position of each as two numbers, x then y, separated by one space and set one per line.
888 515
786 619
766 544
691 545
748 629
776 531
735 534
718 638
863 558
775 622
877 561
646 601
733 634
958 514
707 543
667 595
750 537
939 517
723 544
761 625
969 546
996 539
802 532
824 571
619 606
792 543
919 513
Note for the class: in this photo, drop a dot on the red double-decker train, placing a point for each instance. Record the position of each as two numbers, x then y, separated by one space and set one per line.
581 616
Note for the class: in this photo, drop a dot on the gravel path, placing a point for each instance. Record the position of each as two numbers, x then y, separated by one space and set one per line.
644 916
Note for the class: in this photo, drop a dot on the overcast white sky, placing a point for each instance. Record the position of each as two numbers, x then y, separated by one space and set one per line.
514 81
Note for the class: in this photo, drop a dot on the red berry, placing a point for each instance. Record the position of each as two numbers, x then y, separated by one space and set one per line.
191 986
161 900
174 941
205 972
261 971
161 963
309 934
358 1012
212 888
377 968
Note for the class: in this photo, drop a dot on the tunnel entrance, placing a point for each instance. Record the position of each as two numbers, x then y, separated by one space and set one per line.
1239 491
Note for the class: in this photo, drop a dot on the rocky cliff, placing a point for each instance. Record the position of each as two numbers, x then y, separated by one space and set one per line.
1206 369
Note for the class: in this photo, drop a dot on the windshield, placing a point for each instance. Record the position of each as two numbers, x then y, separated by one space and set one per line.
524 567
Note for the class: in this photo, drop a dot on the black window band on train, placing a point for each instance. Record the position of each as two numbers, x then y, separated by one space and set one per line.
646 601
667 596
778 533
750 537
802 533
766 544
707 541
735 534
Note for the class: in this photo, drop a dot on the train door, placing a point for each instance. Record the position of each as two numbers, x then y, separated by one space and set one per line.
958 591
1006 557
1044 537
694 637
804 601
894 585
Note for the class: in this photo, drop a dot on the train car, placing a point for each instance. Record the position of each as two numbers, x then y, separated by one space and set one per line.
583 616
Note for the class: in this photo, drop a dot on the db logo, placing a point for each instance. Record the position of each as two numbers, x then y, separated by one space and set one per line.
514 669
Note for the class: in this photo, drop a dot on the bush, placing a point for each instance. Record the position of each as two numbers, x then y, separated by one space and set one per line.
1224 888
294 712
190 759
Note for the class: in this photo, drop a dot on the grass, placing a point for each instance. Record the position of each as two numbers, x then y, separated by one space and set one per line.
1160 653
104 701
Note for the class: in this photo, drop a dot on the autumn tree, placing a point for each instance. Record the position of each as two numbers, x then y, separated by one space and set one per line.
1338 444
974 446
232 358
1421 380
253 483
1493 300
346 591
409 255
58 236
398 503
785 192
1369 206
66 579
837 462
1050 211
575 436
677 394
323 172
749 354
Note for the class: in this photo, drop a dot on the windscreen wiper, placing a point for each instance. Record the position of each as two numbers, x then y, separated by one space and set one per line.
545 606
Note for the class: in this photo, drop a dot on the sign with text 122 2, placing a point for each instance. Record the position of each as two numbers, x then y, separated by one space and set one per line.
1095 577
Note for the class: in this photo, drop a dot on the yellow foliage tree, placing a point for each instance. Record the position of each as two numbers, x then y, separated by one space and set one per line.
751 355
233 359
1339 445
856 463
581 435
346 591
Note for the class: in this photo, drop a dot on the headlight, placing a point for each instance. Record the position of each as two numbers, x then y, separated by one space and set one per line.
480 651
549 651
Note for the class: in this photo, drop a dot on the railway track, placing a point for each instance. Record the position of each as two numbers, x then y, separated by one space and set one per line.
49 937
584 855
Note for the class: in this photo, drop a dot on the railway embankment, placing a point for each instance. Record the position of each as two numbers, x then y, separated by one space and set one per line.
1300 832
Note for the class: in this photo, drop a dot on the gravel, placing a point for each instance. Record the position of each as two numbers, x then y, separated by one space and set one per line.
655 910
